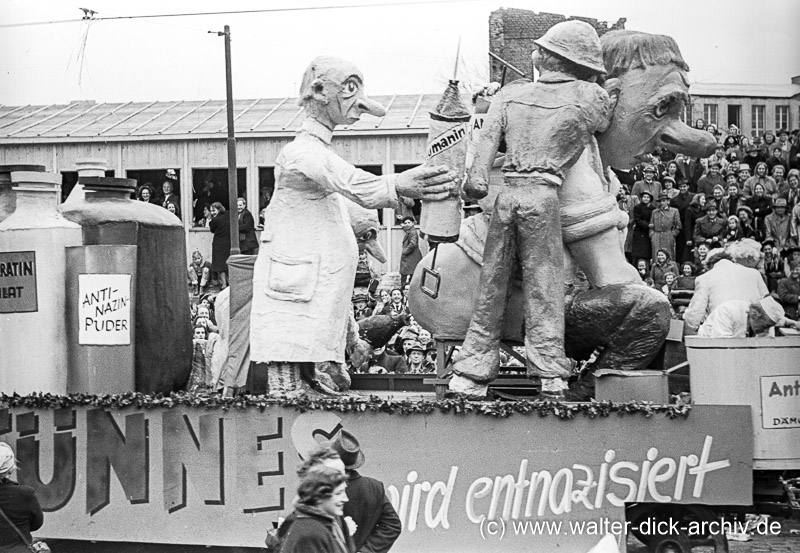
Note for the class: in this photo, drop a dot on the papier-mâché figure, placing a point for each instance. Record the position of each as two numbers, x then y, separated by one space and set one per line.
304 273
546 126
619 317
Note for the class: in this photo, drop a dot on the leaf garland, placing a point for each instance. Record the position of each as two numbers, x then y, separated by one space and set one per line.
348 404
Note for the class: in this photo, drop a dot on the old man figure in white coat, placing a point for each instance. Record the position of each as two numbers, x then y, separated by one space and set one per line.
303 278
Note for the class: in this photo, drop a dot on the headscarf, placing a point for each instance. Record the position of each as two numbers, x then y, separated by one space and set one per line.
7 461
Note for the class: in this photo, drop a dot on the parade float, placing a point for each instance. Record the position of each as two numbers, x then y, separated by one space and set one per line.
465 475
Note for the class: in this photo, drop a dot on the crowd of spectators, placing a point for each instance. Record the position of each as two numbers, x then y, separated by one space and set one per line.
206 352
680 208
409 350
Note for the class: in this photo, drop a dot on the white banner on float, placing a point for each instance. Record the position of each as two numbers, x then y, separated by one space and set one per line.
104 310
466 483
780 407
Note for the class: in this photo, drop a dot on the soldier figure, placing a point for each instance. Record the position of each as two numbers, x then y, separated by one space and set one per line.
547 126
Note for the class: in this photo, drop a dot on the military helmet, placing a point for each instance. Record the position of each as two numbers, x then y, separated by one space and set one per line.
576 41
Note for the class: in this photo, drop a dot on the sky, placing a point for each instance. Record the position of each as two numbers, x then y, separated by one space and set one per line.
401 49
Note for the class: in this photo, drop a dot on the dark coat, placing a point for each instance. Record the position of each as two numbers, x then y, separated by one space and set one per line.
788 290
306 531
640 248
730 206
378 523
706 228
220 226
248 243
761 206
658 272
19 503
411 255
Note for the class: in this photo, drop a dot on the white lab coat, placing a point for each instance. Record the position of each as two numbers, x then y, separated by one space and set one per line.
726 281
303 276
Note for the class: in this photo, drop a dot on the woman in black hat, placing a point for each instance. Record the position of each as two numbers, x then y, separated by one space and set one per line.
732 150
642 213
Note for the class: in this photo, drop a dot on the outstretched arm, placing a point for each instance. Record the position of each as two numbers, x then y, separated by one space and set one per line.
477 185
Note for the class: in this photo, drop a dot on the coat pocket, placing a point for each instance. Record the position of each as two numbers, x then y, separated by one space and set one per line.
292 278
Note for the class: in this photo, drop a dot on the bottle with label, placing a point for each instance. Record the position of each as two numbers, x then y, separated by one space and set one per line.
33 335
440 220
160 310
8 202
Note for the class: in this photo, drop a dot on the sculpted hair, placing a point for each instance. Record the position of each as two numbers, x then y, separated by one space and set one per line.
626 50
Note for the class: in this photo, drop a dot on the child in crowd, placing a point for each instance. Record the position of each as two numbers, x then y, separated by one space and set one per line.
733 231
199 273
203 319
669 280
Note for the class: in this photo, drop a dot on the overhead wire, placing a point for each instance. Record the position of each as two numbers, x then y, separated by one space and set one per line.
234 12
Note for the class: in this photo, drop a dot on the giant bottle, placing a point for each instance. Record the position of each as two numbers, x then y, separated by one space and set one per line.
440 220
163 333
33 336
8 202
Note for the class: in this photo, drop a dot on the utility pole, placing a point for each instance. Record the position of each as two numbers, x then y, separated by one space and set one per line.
233 184
233 187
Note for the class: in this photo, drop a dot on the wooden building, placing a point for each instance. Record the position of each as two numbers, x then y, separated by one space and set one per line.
185 142
754 108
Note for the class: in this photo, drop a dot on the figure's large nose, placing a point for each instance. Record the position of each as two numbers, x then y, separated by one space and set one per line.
370 106
373 247
680 138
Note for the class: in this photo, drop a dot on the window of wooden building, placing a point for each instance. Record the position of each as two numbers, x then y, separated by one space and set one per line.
757 125
266 188
376 170
210 186
686 113
155 179
710 114
416 208
735 115
782 118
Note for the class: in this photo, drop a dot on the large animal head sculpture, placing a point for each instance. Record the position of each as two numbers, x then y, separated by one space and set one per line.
646 80
332 92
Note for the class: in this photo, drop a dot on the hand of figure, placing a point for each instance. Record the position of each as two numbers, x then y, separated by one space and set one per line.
427 183
474 190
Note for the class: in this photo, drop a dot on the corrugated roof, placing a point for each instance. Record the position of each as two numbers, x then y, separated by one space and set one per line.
85 121
745 90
